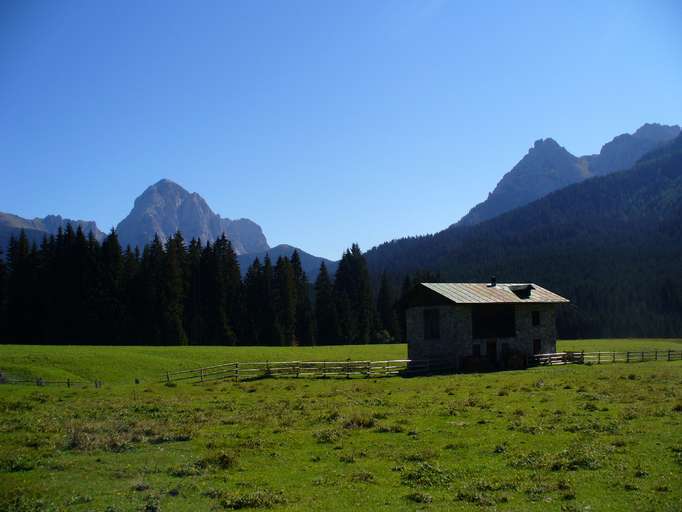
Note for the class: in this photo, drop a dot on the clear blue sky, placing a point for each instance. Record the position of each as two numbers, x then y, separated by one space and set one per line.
325 122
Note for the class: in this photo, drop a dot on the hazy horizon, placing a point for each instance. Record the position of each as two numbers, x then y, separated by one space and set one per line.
325 124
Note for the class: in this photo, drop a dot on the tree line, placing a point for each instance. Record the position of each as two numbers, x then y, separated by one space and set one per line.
73 289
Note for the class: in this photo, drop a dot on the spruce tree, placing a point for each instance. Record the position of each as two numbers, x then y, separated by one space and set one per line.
111 310
20 290
172 293
353 292
149 295
285 295
386 310
252 312
194 310
325 309
271 333
305 320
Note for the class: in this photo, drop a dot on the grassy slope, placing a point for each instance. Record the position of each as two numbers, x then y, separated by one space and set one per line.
124 364
561 438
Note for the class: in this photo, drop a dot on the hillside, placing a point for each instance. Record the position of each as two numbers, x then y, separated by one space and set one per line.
548 167
611 244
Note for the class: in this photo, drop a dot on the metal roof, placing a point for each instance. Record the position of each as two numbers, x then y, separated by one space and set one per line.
482 293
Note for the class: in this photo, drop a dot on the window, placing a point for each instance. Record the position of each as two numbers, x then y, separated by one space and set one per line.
431 324
536 318
537 346
493 321
476 350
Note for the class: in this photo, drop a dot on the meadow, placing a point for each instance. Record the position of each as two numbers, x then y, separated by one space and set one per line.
582 437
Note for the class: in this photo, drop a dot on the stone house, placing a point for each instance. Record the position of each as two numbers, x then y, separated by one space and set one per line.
480 325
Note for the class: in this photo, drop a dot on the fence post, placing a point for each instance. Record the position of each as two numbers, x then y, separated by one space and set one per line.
669 355
641 357
236 372
298 368
656 355
613 360
201 371
167 376
68 383
267 368
598 357
348 368
627 356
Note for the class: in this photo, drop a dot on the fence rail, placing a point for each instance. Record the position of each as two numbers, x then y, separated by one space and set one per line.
44 382
640 356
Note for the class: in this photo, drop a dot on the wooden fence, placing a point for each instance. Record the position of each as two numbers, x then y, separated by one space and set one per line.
43 382
558 358
317 369
404 367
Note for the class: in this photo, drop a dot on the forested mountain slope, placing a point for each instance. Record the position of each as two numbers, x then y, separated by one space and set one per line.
611 244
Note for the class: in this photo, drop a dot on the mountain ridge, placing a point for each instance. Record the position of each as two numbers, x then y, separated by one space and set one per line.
38 227
548 167
309 262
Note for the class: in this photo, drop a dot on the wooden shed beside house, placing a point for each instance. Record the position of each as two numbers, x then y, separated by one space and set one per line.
480 325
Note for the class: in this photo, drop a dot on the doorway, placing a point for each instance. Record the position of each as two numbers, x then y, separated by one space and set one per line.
491 351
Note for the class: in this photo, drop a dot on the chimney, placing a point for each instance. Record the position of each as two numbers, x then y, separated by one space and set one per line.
493 282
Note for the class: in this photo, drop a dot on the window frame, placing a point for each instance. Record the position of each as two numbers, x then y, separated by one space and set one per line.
536 318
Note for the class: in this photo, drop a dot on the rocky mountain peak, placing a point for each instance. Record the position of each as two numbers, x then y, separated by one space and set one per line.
165 207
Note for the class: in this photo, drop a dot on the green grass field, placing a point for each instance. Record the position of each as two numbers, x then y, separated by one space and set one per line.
571 438
122 365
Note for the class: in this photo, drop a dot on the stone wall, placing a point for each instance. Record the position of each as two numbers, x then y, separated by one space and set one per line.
456 340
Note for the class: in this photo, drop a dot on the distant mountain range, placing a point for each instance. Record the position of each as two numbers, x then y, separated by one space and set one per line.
163 209
36 229
548 167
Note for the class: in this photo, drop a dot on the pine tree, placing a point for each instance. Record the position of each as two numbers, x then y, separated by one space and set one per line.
305 320
129 290
284 288
149 307
20 290
271 333
252 313
194 310
111 311
325 308
172 293
401 306
386 310
353 292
